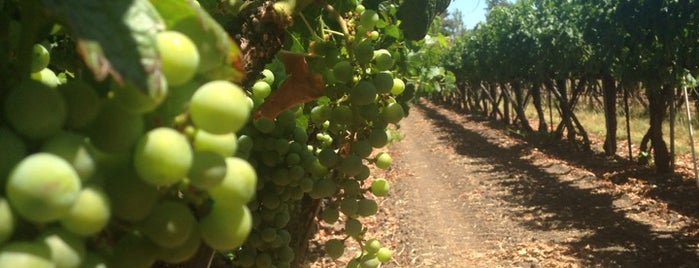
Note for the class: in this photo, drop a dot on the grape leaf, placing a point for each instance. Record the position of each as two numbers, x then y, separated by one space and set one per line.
115 38
300 86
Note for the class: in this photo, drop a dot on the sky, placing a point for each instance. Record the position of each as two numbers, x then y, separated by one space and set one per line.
472 10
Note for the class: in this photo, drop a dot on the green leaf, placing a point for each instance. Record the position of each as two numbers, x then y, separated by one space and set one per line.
115 38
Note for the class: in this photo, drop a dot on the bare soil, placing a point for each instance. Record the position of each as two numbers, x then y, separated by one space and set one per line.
467 194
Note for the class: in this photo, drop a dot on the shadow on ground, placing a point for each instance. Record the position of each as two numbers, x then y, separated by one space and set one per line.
614 240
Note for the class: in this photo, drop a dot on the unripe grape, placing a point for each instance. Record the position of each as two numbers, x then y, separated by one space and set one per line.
89 214
380 187
383 82
330 215
363 93
383 160
13 150
372 246
353 227
384 254
26 254
208 169
135 100
383 59
398 86
169 224
43 187
343 71
35 110
219 107
163 156
334 248
67 249
367 207
179 57
392 113
130 197
40 58
239 185
225 228
260 90
368 19
74 149
81 102
349 206
7 221
114 129
47 77
223 144
268 76
363 53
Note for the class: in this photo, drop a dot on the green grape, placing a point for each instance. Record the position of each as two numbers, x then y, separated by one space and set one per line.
351 187
383 160
384 254
114 129
40 58
26 255
368 19
370 263
359 9
361 148
378 138
43 187
281 177
300 135
328 158
211 51
323 188
169 224
183 252
13 150
383 82
225 228
208 169
392 113
330 215
343 71
268 76
349 206
74 149
350 165
383 59
353 227
67 249
364 53
47 77
342 114
179 57
133 99
35 110
363 93
363 173
286 254
306 185
374 35
238 187
219 107
268 235
367 207
7 221
163 156
89 214
380 187
261 90
131 199
281 146
82 103
372 246
270 200
133 251
293 159
334 248
245 143
320 114
222 144
398 86
264 125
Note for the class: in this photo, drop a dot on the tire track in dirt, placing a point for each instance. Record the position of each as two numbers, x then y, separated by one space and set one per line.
469 196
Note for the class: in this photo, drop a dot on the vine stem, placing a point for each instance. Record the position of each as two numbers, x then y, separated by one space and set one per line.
338 17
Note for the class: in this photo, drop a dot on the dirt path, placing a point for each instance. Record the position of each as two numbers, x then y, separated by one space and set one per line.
467 195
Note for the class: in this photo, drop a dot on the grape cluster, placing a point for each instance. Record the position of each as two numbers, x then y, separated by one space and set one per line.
323 150
101 173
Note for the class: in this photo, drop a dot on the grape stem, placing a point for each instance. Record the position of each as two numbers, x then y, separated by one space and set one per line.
338 17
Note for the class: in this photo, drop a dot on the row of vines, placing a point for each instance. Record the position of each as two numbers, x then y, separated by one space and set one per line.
211 133
555 51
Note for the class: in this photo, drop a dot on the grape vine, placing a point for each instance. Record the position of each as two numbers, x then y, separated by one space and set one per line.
139 134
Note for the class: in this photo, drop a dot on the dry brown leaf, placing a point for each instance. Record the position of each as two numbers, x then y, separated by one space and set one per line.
301 86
